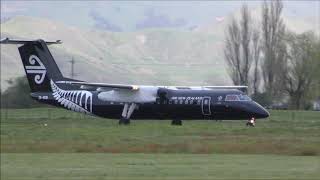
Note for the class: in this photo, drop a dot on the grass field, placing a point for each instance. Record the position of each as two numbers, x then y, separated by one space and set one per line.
157 166
285 133
287 145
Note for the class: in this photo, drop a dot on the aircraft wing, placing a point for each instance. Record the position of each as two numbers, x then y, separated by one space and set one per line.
227 87
102 85
241 88
119 92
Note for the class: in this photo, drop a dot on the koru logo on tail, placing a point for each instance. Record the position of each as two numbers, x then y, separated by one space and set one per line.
39 70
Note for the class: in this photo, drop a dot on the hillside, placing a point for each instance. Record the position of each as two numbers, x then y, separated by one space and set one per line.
298 24
155 56
152 56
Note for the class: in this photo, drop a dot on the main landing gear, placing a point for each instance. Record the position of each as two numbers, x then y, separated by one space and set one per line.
126 113
251 122
176 122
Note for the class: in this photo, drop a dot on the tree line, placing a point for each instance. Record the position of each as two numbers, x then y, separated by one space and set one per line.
17 95
278 65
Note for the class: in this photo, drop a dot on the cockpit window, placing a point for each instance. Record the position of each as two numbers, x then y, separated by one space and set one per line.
232 97
235 97
244 97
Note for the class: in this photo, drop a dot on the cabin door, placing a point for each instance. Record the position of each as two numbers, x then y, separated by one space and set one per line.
205 106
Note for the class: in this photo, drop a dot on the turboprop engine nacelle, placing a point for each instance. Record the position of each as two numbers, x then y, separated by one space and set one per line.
145 94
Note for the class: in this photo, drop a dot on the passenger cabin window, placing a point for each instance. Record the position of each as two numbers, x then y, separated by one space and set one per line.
175 101
199 102
235 97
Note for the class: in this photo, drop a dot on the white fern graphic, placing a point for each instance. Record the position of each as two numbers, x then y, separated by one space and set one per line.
78 100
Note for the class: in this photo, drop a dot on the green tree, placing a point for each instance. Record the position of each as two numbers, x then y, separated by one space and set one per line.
273 45
299 71
18 95
241 48
314 91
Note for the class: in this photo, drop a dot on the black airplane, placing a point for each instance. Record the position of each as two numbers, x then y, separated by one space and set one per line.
125 102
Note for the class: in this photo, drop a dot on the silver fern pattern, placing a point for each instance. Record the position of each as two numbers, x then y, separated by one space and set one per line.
78 100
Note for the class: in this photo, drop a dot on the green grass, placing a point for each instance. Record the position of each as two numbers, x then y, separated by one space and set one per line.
157 166
74 146
285 133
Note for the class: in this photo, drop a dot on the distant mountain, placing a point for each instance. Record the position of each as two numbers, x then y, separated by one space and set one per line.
293 22
154 56
134 15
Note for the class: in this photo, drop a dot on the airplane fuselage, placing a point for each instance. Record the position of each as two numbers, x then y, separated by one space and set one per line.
174 104
125 102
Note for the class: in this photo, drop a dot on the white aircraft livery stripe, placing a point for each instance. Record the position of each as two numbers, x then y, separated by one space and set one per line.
70 99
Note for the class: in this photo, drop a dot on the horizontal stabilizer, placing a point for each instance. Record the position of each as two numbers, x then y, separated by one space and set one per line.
18 41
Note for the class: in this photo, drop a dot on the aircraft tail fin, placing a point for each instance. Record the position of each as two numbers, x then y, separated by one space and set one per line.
38 63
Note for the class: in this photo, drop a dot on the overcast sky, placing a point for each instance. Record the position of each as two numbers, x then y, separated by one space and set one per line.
132 15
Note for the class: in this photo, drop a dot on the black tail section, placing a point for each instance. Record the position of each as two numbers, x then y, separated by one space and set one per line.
39 65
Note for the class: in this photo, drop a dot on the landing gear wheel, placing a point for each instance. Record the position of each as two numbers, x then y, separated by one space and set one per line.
176 122
124 121
251 122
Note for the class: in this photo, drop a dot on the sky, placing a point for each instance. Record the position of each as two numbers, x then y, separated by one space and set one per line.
135 15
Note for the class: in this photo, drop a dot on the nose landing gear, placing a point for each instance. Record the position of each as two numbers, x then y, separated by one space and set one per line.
251 122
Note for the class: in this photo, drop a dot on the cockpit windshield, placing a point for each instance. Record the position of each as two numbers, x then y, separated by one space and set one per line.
235 97
244 97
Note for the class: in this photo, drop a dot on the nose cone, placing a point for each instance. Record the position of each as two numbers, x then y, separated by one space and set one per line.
260 112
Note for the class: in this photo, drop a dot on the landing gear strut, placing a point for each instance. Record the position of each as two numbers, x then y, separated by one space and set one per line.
126 113
176 122
251 122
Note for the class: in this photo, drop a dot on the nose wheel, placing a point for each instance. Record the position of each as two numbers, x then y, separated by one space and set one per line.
126 113
251 122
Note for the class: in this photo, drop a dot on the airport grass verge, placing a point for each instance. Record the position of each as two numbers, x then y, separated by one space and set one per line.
51 130
156 166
